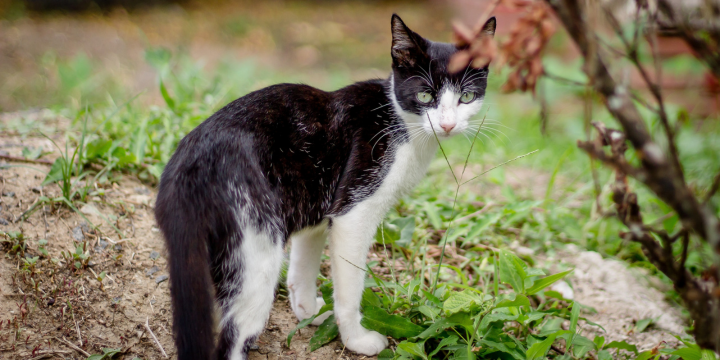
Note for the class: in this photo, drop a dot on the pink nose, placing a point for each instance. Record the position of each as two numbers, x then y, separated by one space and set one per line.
447 127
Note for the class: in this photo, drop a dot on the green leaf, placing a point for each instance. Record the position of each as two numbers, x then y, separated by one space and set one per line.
462 301
450 340
599 341
688 353
436 328
538 350
543 283
574 315
581 345
503 347
491 318
56 172
386 354
307 322
645 355
433 215
432 298
325 333
520 300
622 345
413 349
369 298
641 325
398 232
512 271
604 355
375 318
168 100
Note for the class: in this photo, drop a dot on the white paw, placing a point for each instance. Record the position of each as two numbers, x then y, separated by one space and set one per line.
366 342
304 311
319 320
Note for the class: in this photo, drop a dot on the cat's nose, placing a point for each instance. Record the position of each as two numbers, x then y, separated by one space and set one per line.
447 127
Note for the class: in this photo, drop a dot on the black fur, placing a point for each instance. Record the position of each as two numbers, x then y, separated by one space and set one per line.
298 155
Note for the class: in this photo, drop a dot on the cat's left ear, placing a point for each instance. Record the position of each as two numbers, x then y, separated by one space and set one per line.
407 46
489 27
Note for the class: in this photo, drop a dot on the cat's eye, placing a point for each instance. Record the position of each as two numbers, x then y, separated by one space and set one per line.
424 97
467 97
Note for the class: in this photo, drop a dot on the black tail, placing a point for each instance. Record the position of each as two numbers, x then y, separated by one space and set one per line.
190 279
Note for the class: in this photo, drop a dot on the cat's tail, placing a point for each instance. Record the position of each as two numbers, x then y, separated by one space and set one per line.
190 277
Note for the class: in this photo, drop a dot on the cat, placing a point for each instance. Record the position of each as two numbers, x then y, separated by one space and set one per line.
293 162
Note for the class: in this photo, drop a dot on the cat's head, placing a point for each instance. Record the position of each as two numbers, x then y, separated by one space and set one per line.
425 94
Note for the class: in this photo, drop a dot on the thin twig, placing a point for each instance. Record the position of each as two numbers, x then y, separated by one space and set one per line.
477 213
73 346
147 326
26 160
497 166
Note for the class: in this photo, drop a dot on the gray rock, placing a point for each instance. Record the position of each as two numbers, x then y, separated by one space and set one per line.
4 222
161 278
8 194
152 270
154 255
77 233
118 247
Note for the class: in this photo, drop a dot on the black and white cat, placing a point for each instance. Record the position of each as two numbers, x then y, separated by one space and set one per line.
294 162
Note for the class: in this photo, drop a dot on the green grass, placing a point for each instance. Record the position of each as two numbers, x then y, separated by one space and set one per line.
487 302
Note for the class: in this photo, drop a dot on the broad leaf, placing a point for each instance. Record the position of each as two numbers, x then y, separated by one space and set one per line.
325 333
581 346
622 345
520 300
375 318
307 322
56 171
450 340
462 301
538 350
512 271
543 283
413 349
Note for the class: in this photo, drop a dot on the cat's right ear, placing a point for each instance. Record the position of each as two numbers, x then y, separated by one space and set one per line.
407 46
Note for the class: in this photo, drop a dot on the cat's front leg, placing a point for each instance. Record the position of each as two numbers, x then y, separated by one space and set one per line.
351 235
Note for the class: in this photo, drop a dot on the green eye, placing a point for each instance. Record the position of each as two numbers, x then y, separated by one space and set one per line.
424 97
467 97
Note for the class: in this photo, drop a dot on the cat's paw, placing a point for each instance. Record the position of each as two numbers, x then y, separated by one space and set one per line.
366 342
304 311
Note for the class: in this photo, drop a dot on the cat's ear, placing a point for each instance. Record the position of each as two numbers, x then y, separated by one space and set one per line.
407 46
489 27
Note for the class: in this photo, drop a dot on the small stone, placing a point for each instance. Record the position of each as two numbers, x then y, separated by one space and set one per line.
8 194
152 271
118 247
36 190
4 222
77 233
51 302
254 347
161 278
142 191
154 255
153 301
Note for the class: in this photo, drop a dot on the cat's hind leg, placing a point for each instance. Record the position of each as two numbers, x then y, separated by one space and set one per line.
305 255
246 298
